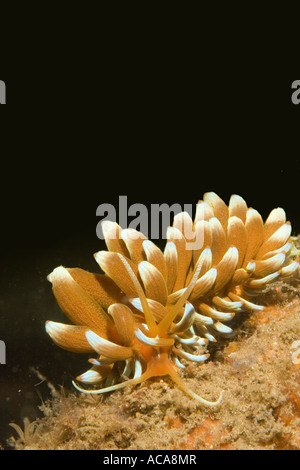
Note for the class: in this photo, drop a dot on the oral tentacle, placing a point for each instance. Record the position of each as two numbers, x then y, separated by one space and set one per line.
134 381
175 377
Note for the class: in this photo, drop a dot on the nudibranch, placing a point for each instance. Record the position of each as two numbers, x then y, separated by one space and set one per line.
152 310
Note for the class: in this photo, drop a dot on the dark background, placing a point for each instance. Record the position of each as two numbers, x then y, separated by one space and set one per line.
79 133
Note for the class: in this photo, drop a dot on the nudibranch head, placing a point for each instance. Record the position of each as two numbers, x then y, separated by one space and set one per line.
152 311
